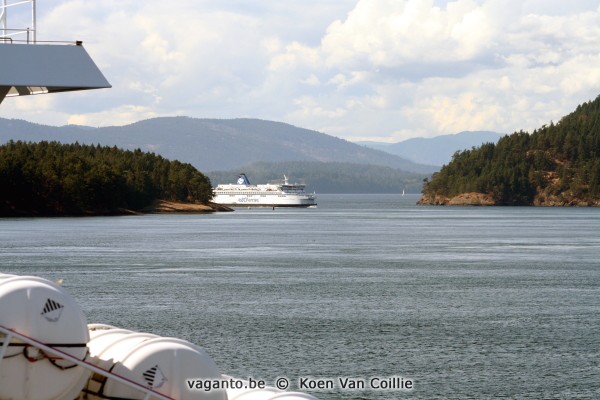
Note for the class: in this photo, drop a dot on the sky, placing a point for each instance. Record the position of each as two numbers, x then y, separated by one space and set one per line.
380 70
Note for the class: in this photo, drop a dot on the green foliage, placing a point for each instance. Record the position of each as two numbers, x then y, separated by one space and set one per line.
556 159
49 178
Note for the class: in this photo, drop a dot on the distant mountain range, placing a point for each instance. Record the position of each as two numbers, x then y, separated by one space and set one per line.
437 150
215 144
265 150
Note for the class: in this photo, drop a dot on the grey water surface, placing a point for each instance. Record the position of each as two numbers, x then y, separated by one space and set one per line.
465 302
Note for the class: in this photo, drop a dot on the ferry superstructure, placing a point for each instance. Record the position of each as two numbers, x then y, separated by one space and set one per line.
244 194
47 349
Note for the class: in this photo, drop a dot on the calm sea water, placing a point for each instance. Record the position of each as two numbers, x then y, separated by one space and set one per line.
467 302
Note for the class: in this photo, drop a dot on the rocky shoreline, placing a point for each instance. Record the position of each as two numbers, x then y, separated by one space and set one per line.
464 199
562 200
483 199
170 207
157 207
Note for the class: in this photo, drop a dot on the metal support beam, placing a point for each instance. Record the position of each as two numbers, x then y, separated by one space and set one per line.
34 21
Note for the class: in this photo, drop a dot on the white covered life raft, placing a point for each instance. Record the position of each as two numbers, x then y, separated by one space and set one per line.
38 308
161 363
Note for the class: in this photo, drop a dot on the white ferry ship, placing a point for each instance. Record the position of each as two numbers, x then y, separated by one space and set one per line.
245 194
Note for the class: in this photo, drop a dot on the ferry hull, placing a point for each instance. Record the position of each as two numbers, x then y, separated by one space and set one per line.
255 201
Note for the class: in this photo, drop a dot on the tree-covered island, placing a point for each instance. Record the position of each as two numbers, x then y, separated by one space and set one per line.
50 178
556 165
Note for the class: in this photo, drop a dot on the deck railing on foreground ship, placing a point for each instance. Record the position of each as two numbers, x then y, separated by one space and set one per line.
9 334
30 32
8 34
5 39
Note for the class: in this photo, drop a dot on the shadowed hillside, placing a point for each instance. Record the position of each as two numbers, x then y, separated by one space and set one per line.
328 177
556 165
49 178
214 144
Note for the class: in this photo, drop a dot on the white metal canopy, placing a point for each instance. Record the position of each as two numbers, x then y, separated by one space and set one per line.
30 67
41 68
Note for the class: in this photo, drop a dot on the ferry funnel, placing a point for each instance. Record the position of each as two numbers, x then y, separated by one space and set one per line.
243 180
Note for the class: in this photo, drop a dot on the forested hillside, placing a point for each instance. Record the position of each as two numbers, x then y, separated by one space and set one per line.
49 178
558 164
329 177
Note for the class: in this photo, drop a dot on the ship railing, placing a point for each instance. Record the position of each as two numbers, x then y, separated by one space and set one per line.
7 34
10 39
9 334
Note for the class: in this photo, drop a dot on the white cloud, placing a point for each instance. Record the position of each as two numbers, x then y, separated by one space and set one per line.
357 69
469 65
312 80
392 33
116 116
